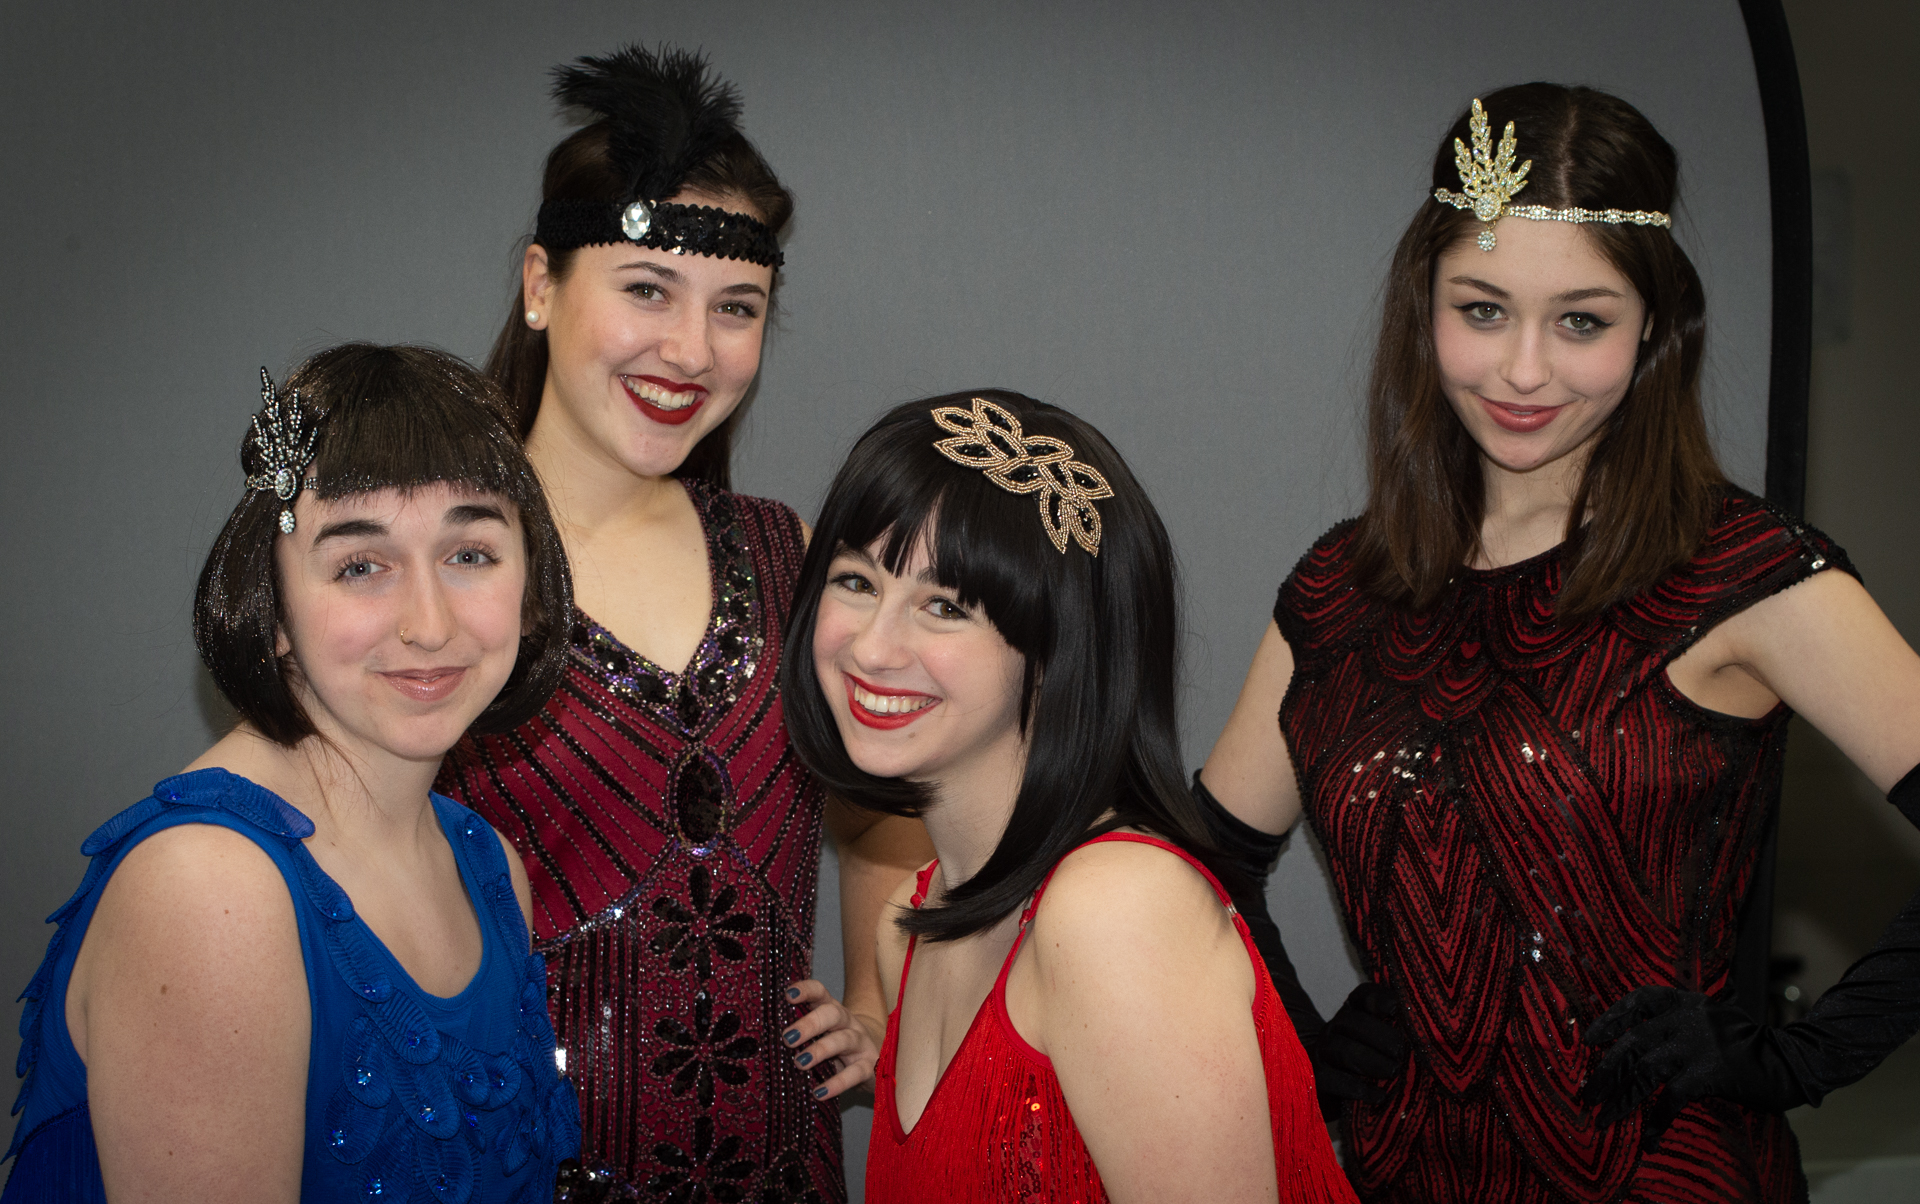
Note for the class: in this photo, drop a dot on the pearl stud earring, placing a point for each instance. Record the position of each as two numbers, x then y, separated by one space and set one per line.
532 317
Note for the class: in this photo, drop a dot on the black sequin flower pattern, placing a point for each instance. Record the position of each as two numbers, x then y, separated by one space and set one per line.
713 926
709 1171
711 1049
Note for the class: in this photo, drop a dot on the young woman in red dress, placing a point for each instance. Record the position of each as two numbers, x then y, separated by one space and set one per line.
1535 699
672 839
1080 1014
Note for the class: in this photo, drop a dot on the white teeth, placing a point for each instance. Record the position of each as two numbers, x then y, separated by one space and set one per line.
891 704
656 396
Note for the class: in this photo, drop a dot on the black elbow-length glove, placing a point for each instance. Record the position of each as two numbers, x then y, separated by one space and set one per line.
1364 1044
1685 1046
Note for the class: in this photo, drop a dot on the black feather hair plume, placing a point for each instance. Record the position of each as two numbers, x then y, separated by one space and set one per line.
666 112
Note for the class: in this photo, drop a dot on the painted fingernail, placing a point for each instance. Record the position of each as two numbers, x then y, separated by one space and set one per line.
804 1059
819 1093
793 992
790 1036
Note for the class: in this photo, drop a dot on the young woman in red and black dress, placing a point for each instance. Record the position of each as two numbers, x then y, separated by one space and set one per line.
672 839
1534 701
1080 1014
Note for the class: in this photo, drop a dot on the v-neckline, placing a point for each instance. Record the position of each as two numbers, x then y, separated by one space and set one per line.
716 601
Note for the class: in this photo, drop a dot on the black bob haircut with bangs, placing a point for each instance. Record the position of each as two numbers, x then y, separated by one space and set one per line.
1098 634
387 418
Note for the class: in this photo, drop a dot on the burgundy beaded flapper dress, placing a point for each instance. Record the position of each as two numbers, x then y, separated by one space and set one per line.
1524 822
997 1130
673 842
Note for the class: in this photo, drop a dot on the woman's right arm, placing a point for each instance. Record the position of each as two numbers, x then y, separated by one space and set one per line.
188 1005
1249 769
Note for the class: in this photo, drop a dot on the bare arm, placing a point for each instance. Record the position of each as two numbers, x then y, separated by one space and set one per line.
876 854
1250 770
1826 648
1144 994
189 1007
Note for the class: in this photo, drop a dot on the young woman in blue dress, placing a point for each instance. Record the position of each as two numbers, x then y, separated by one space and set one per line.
293 972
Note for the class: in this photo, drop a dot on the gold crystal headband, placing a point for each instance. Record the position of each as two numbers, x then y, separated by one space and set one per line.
989 438
1488 182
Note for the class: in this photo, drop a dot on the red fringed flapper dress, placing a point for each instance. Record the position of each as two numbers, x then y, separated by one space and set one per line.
1524 822
673 842
996 1129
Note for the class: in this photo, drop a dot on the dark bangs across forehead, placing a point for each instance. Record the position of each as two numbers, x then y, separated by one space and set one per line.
402 417
986 544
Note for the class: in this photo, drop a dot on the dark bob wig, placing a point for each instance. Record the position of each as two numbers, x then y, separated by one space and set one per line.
388 418
1098 634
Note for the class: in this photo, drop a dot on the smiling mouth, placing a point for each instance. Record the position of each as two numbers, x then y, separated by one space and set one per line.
426 685
661 403
876 708
1519 418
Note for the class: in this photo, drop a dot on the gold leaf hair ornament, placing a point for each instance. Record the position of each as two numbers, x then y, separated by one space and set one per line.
989 438
286 448
1488 181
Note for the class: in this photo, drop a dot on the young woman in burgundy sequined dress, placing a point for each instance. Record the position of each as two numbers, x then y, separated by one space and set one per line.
1534 702
1080 1014
672 839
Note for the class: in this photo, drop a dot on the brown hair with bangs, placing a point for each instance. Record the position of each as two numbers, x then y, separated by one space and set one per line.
1647 495
580 169
386 418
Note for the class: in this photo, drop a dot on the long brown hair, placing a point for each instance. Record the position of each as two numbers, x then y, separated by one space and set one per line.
1651 479
579 169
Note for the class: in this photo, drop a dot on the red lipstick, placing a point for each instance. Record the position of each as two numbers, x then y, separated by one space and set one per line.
426 685
680 391
1519 419
885 722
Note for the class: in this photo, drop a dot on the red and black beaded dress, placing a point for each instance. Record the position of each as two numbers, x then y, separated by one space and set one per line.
673 842
1524 822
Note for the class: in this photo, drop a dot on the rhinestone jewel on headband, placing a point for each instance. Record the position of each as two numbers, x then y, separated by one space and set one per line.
1488 181
285 449
989 438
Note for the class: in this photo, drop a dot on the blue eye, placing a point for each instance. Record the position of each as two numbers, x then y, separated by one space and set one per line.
471 557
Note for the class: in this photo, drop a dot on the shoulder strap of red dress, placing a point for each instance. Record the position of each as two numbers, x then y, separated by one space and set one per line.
1033 905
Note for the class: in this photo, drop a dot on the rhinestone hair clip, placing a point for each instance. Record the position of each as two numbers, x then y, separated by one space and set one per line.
284 447
1488 181
990 439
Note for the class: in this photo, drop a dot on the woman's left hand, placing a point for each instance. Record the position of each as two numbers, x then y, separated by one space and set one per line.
830 1034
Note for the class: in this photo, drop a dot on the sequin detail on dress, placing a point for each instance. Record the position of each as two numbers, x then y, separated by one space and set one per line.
1524 822
673 844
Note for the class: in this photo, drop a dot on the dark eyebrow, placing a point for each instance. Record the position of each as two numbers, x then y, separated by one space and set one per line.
1587 294
468 513
1474 282
352 528
661 270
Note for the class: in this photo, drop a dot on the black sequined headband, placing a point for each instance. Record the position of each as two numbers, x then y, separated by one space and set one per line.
666 115
663 225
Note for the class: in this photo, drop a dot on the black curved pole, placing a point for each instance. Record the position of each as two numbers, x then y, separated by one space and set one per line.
1790 187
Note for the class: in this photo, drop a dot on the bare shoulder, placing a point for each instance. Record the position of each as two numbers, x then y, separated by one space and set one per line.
192 866
1127 899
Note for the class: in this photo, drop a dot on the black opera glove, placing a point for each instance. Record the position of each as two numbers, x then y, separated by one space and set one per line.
1694 1047
1664 1037
1365 1042
1362 1048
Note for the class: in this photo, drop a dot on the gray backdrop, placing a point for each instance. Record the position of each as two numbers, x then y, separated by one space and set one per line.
1172 219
